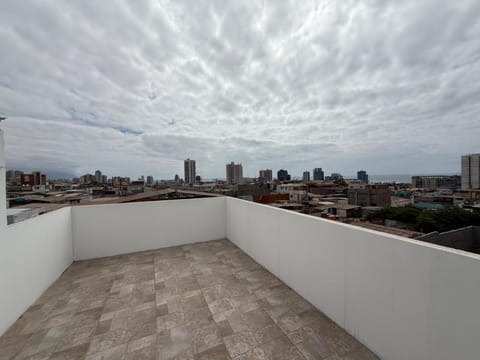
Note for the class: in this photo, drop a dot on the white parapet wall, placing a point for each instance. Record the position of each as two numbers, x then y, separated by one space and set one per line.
33 254
3 191
402 298
106 230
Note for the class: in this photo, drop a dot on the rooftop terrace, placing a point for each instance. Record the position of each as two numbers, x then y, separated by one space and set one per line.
146 279
203 301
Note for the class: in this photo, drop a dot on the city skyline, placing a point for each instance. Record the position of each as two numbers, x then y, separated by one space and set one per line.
136 88
352 175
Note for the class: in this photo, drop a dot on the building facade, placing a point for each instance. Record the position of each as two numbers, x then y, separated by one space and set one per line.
14 177
306 176
318 174
336 176
471 171
283 175
265 175
234 173
118 181
98 177
437 182
190 171
369 195
362 176
33 179
87 179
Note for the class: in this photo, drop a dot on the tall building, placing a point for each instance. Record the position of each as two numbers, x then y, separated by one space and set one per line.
238 173
118 181
471 171
266 175
40 179
283 175
306 176
33 179
27 179
13 177
149 180
98 177
234 173
190 173
87 179
318 174
230 168
362 176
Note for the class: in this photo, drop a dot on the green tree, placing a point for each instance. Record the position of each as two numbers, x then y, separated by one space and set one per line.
430 220
426 222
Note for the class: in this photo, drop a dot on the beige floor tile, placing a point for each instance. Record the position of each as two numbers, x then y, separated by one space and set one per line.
200 301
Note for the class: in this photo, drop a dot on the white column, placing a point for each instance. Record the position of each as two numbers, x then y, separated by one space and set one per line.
3 189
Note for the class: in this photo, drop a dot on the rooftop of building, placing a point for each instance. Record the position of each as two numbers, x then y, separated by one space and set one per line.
153 195
66 293
388 229
42 207
203 301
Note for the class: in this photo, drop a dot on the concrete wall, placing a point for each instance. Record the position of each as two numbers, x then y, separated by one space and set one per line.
105 230
33 254
404 299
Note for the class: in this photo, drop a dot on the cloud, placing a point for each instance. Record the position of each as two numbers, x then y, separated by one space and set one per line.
133 88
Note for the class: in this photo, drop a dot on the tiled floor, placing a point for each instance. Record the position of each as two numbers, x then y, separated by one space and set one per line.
202 301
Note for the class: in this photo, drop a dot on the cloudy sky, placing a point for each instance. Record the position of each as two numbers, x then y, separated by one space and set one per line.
135 87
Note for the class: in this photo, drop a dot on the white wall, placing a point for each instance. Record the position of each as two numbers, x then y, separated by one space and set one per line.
105 230
33 254
402 298
3 190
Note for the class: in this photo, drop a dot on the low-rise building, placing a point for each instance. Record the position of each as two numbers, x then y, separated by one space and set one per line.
369 195
297 192
437 182
135 187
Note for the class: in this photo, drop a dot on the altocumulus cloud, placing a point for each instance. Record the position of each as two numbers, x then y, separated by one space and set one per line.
135 87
